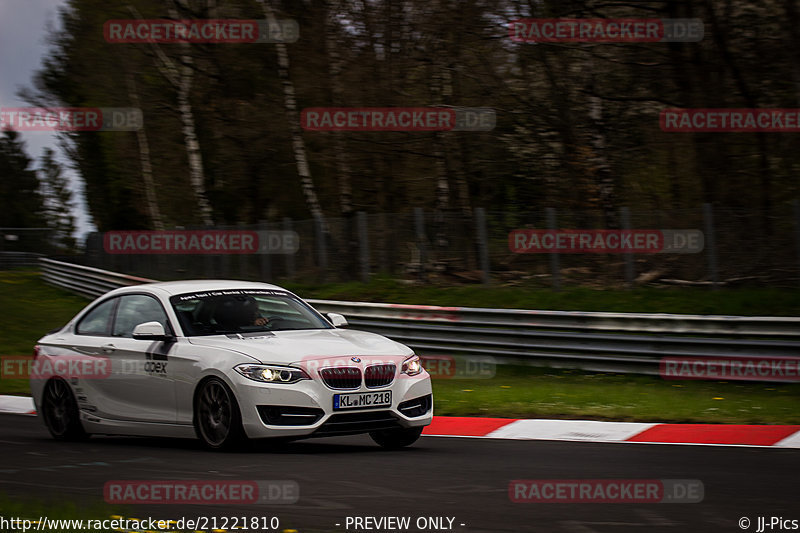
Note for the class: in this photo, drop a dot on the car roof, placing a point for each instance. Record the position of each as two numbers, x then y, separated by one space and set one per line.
172 288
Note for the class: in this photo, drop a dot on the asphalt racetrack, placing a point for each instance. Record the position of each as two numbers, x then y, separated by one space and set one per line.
461 478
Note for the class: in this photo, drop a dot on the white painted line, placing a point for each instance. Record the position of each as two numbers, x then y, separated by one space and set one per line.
573 430
792 441
18 405
553 430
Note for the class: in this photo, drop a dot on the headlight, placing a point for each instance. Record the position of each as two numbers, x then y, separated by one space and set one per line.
412 366
271 374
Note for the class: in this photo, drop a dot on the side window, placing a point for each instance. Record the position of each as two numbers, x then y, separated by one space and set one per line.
98 320
135 309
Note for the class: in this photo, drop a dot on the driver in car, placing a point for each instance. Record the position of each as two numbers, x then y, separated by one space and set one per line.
239 311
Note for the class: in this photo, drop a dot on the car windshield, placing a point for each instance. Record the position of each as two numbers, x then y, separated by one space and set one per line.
235 311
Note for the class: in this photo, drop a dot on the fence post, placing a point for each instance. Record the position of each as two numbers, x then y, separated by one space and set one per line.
419 225
287 226
625 216
483 245
711 252
264 259
363 245
796 213
322 249
555 260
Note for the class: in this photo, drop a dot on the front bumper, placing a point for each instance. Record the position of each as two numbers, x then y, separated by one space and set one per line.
305 408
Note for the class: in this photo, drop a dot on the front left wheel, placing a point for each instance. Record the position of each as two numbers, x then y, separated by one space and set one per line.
60 411
217 420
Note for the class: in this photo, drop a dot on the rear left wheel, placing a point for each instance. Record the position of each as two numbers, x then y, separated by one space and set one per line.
60 411
217 420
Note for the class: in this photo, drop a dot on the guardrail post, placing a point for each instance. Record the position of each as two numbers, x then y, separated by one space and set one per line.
322 249
363 245
419 225
555 260
264 259
625 216
711 251
287 226
483 245
796 213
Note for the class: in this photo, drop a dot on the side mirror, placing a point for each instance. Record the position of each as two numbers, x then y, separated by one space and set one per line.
150 331
337 320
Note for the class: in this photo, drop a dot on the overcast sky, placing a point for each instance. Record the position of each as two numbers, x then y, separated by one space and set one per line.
22 45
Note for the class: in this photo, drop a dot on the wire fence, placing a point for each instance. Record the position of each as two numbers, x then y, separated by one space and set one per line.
740 247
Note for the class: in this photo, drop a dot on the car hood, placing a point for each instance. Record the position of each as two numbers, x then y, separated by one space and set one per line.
285 347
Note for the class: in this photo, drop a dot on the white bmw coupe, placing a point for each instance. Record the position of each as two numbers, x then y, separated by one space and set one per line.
224 361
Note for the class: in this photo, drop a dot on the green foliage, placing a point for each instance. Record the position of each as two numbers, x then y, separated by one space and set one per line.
58 208
20 200
546 149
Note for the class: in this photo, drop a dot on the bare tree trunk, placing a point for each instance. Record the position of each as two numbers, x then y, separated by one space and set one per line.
792 20
182 81
335 70
151 200
196 173
722 42
601 169
309 191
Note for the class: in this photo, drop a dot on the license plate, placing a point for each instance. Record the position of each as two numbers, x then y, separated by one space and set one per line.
362 400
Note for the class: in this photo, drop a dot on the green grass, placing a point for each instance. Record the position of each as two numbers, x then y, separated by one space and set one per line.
527 392
29 308
748 302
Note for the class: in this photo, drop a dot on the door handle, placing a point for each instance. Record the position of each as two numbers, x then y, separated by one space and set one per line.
108 348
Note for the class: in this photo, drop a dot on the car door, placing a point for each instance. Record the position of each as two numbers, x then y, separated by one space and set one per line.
145 389
89 337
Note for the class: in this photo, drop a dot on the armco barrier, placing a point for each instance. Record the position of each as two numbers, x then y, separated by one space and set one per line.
609 342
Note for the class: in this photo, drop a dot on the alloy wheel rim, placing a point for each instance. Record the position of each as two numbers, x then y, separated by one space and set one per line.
56 407
215 413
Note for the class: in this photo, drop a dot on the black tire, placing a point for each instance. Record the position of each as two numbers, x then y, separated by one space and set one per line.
60 411
392 439
217 419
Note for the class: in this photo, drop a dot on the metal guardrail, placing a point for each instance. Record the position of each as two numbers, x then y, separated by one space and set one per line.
9 260
86 281
609 342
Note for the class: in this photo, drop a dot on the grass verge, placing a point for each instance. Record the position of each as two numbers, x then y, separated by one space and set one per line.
528 392
29 308
746 302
